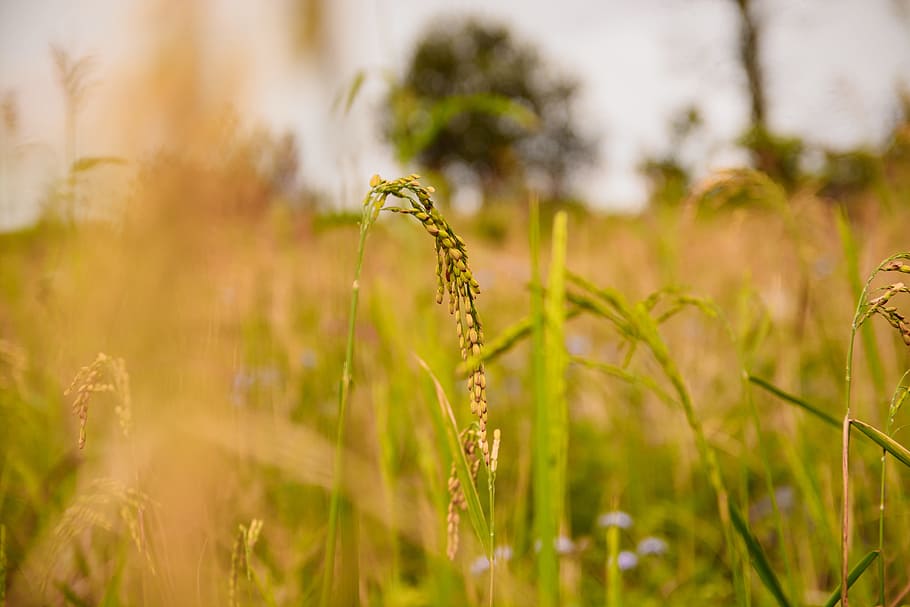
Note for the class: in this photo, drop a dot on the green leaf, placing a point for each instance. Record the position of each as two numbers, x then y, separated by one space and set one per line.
854 574
886 442
795 400
87 163
759 560
351 94
70 596
453 442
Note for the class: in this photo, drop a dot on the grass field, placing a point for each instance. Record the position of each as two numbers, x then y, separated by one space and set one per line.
638 464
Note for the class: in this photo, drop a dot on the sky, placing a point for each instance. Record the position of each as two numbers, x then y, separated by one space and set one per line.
832 69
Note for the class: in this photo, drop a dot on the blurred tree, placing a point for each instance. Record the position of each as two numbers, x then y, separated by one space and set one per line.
776 155
474 100
668 177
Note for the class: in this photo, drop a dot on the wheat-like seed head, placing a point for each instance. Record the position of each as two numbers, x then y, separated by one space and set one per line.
879 305
105 374
242 556
457 500
455 280
453 276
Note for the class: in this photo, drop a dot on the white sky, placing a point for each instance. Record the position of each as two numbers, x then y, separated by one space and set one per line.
832 66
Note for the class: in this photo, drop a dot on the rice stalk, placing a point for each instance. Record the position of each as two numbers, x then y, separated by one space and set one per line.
455 279
865 309
370 212
851 256
241 562
636 324
104 374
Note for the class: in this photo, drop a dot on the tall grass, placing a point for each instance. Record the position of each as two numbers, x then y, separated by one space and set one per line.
709 419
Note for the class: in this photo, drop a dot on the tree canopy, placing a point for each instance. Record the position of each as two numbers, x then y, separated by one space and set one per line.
474 99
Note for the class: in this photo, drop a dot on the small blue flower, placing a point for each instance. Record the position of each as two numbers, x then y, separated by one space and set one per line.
480 564
562 545
627 560
578 345
652 546
502 553
617 518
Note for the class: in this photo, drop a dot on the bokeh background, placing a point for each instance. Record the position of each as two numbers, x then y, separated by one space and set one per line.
180 189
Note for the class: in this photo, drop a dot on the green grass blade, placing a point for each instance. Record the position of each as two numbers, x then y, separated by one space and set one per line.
854 574
795 400
505 341
70 597
901 453
615 307
556 361
634 379
544 514
369 214
454 447
759 560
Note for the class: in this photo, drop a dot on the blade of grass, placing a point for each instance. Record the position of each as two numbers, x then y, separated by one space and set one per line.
556 360
504 342
544 519
453 445
901 453
795 400
759 560
897 400
627 376
854 575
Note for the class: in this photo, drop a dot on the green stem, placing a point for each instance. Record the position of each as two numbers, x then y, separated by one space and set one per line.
544 520
491 488
369 215
845 442
845 460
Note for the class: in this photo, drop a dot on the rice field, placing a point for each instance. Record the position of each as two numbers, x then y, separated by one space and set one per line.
534 405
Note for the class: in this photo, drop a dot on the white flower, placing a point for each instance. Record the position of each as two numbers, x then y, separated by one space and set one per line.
480 564
564 545
652 546
617 518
